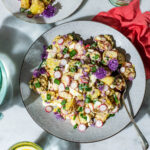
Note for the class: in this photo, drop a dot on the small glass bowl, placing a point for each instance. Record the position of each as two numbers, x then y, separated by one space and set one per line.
120 2
3 83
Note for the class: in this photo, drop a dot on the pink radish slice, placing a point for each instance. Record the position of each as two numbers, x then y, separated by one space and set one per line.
60 41
84 80
61 87
106 88
122 69
80 103
74 84
99 124
48 109
63 62
67 80
66 55
82 127
57 74
115 110
87 110
103 107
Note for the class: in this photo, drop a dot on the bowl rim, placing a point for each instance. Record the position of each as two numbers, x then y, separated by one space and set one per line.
61 137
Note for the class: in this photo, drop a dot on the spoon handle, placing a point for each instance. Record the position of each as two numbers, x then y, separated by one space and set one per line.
146 145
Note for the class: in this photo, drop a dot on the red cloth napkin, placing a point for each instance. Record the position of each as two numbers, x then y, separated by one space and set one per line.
134 24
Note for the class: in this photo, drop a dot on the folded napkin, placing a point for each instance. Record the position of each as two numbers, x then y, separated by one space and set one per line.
134 24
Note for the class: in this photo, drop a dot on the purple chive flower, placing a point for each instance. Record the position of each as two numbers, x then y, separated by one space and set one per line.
101 87
49 11
36 73
44 55
58 116
44 47
113 64
100 73
42 70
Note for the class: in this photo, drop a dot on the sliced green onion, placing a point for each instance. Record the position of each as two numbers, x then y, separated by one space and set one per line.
56 81
65 50
75 126
78 63
94 44
63 102
73 53
84 117
67 88
58 110
74 117
37 85
22 10
48 96
116 99
87 99
56 68
73 69
94 69
80 109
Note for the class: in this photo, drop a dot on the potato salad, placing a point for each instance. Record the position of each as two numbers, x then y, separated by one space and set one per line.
82 81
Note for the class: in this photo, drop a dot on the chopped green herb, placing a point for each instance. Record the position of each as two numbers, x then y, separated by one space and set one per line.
95 100
93 62
107 58
50 47
87 99
81 87
88 89
75 126
80 109
64 107
56 81
37 85
22 10
48 96
63 102
56 68
94 44
94 69
65 50
67 88
103 62
78 63
111 115
58 110
73 53
29 12
96 57
84 117
74 117
116 99
88 55
73 69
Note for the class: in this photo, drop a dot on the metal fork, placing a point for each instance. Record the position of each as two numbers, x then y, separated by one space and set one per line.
144 141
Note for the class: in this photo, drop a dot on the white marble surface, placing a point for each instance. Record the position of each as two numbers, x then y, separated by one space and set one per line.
16 36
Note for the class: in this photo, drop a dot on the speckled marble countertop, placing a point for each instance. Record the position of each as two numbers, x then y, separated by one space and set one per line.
16 36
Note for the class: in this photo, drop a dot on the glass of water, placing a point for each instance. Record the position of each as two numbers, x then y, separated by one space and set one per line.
120 2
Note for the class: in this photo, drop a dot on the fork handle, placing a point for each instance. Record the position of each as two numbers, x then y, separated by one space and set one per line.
146 145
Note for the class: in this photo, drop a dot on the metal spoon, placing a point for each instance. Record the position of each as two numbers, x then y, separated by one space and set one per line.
145 143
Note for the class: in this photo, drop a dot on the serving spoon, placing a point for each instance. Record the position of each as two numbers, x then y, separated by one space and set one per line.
144 141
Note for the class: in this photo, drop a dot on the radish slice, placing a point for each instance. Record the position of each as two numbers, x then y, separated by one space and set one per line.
106 88
61 87
82 127
57 74
63 62
66 55
60 41
48 109
84 80
74 84
122 69
67 80
103 107
87 110
115 110
99 124
80 103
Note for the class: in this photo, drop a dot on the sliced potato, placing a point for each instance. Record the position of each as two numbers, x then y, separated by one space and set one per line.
121 58
108 80
25 4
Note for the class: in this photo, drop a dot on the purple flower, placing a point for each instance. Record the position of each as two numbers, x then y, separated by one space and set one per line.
101 87
100 73
49 11
44 47
44 55
58 116
36 73
42 70
113 64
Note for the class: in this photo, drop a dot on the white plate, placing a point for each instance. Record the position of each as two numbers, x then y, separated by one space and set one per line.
67 8
63 129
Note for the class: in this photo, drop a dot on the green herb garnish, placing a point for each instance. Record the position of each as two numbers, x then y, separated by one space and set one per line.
37 85
50 47
94 44
48 96
87 99
103 62
67 88
75 126
93 62
84 117
74 117
63 102
80 109
116 99
65 50
73 69
56 81
29 13
58 110
73 53
56 68
94 69
88 89
22 10
78 64
96 57
111 115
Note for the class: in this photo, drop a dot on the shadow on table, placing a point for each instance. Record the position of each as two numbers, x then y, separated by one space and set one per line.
14 43
145 109
49 142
